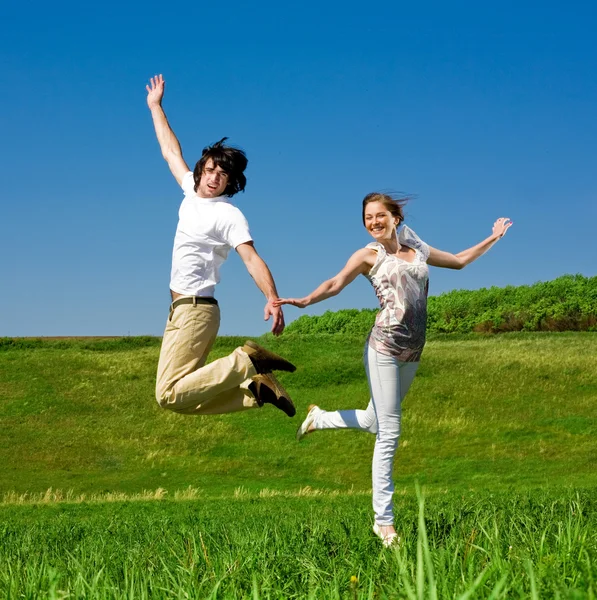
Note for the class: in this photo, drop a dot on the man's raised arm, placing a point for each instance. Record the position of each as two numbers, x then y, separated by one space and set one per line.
171 150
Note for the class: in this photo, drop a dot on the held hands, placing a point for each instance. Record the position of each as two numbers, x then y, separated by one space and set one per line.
273 310
155 93
501 226
298 302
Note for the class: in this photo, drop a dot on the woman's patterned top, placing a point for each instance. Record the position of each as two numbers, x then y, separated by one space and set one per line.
401 288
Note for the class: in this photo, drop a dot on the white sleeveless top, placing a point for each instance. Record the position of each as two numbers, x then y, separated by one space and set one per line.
401 288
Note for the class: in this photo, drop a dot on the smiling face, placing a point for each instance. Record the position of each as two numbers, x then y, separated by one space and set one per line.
213 181
379 221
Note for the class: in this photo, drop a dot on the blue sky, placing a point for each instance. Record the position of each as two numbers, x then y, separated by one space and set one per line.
476 110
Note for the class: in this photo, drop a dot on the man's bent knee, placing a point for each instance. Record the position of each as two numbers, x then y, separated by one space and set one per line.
163 397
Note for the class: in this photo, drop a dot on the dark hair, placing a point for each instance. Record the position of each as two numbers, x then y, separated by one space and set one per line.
392 203
231 160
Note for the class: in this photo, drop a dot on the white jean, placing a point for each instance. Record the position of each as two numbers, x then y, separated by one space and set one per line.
389 380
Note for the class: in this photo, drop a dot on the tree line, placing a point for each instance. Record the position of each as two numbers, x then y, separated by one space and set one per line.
568 303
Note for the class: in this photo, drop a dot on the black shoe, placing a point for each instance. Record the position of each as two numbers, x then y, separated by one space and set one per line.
265 361
268 390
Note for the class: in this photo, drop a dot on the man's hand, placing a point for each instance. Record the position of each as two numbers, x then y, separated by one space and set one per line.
271 310
155 93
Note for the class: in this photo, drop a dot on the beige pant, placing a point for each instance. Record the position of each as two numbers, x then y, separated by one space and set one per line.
185 384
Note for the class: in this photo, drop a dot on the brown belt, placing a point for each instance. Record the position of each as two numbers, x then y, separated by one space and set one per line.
194 300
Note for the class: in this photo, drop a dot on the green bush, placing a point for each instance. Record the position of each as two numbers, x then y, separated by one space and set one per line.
568 303
349 320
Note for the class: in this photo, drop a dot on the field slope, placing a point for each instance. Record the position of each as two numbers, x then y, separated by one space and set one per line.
485 412
105 495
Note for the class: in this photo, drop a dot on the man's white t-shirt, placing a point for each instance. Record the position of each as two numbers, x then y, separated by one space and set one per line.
208 228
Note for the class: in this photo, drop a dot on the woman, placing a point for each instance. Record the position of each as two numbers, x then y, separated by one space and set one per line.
396 264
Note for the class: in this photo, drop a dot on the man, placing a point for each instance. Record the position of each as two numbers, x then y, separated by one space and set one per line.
208 227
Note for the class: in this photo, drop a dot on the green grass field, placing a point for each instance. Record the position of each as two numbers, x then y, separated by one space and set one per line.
105 495
512 545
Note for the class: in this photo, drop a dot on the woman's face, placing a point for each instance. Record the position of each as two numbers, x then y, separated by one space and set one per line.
379 221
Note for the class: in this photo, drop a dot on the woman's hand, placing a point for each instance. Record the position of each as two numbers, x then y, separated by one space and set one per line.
501 226
298 302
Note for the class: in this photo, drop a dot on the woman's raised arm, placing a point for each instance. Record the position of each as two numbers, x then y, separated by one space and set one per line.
439 258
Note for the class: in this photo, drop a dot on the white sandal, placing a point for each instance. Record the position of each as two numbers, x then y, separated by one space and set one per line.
388 539
303 430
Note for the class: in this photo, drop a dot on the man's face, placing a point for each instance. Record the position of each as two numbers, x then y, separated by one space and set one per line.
213 181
